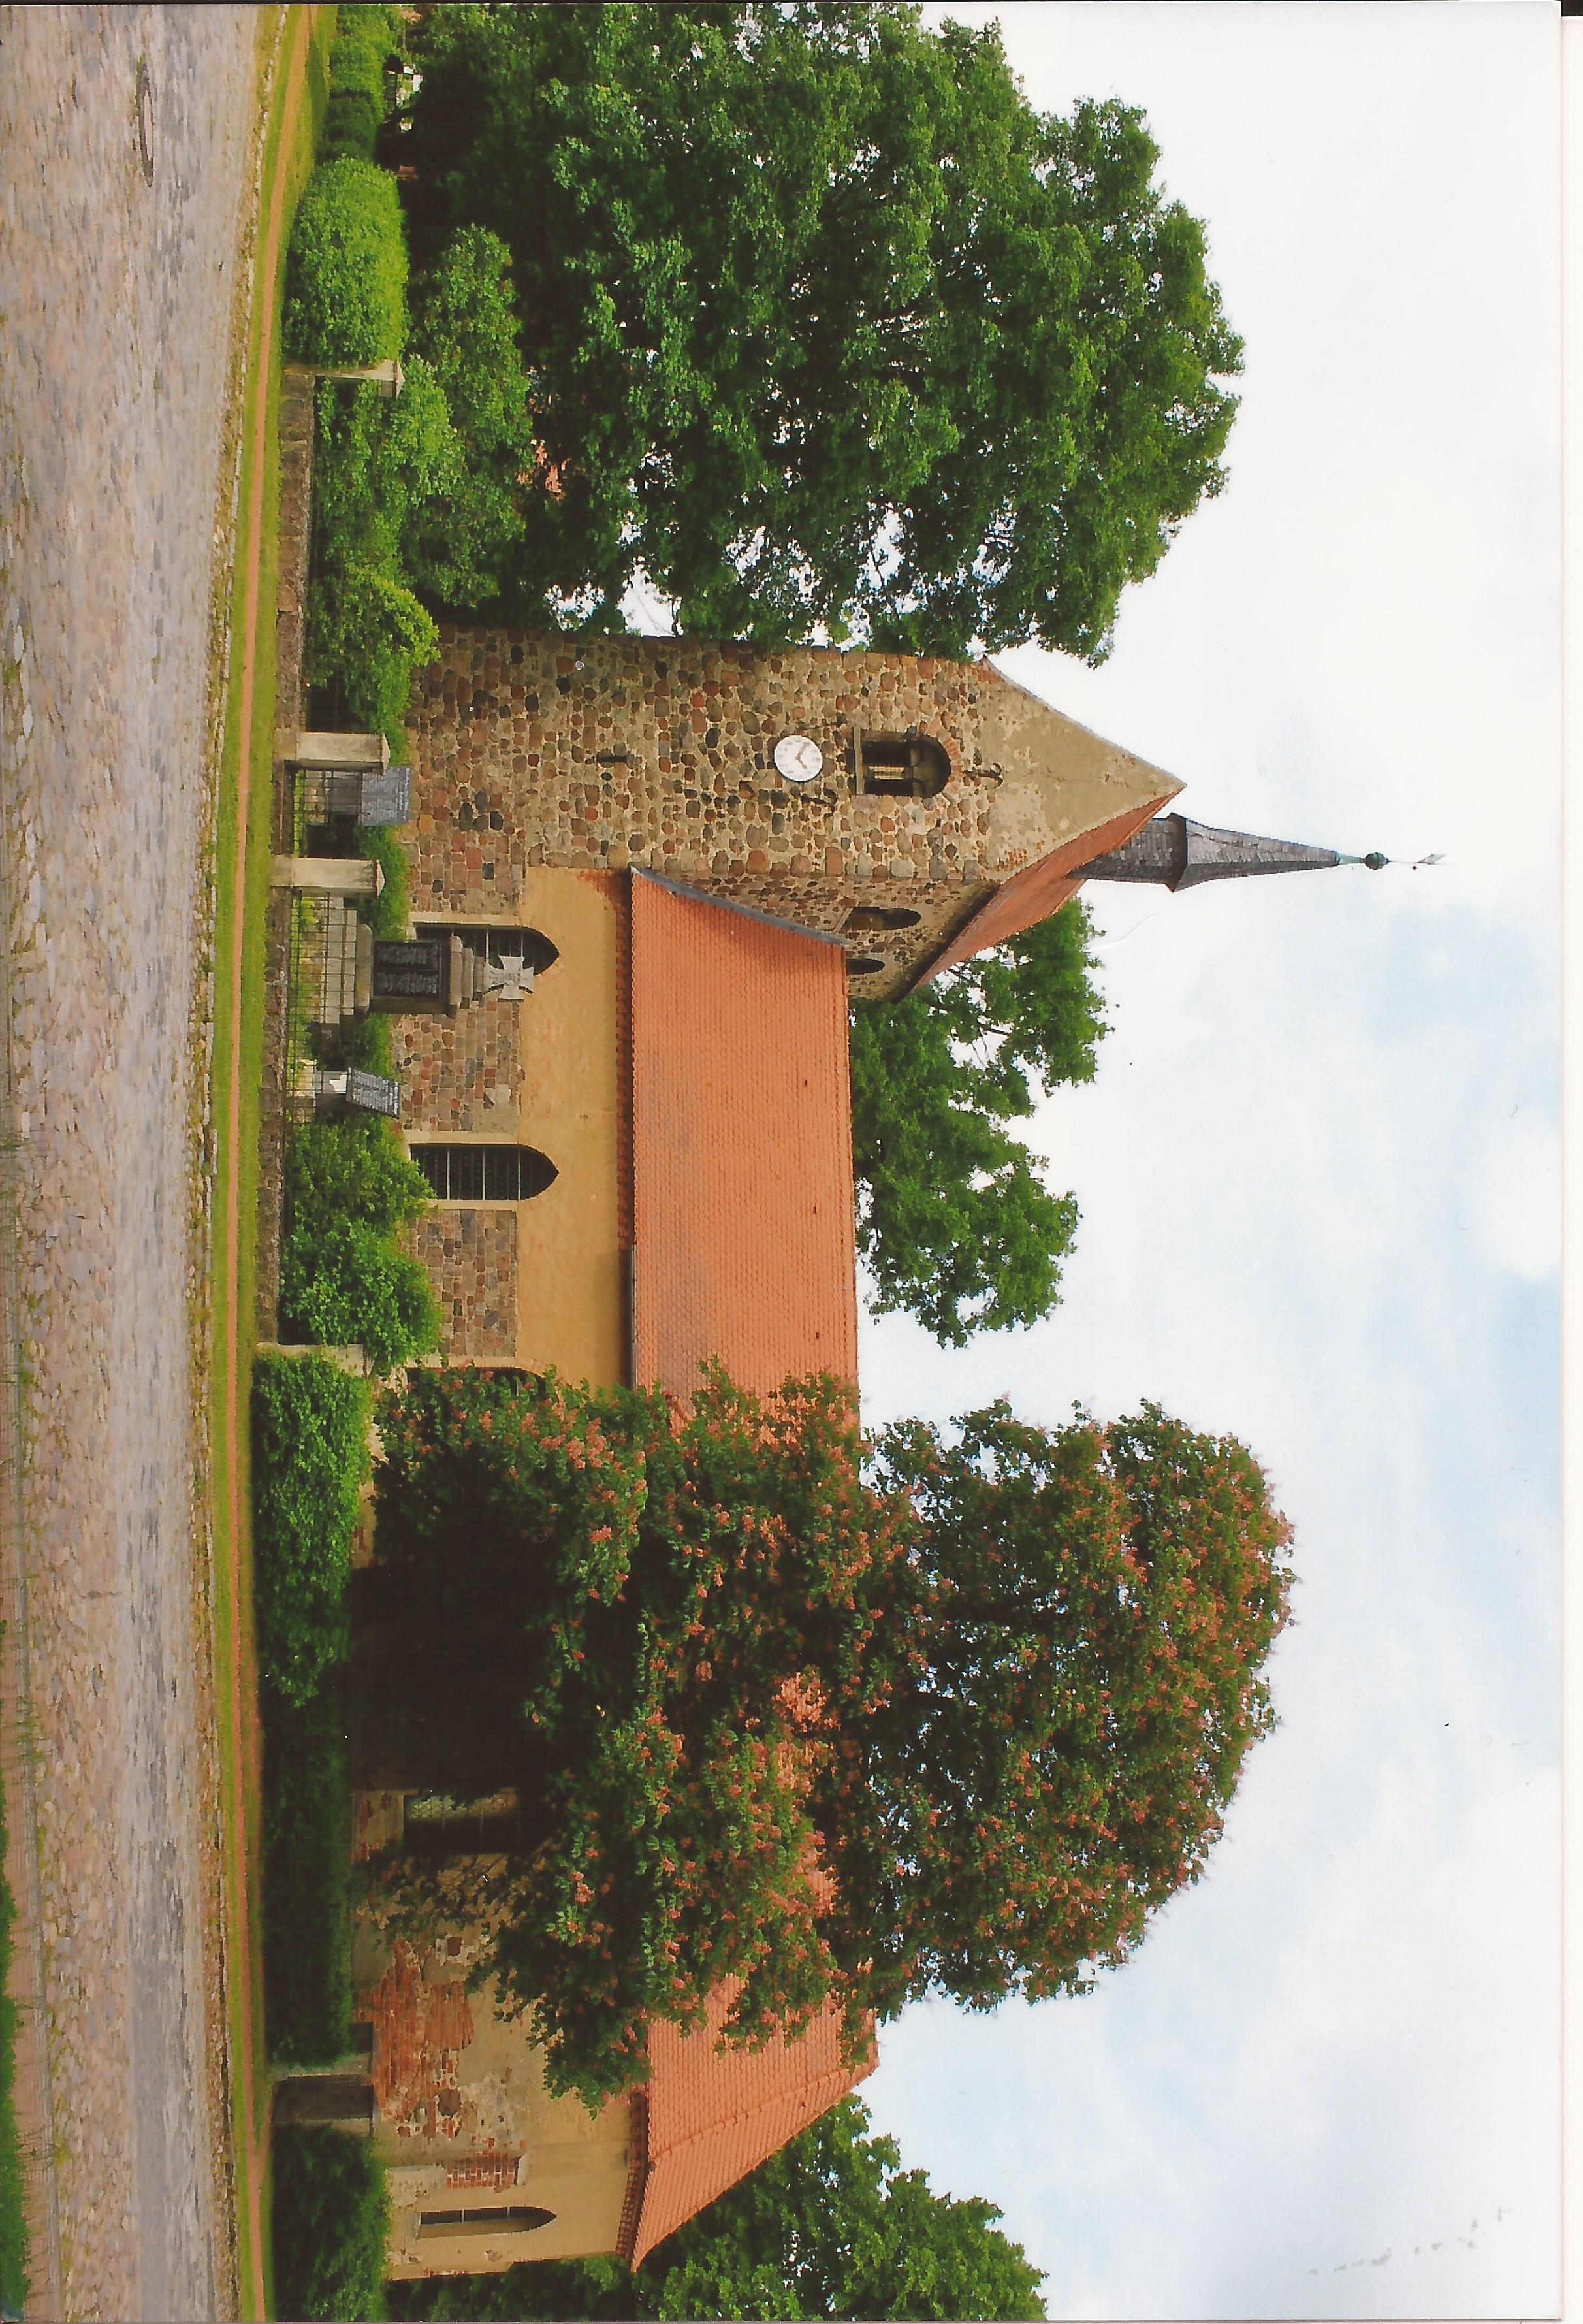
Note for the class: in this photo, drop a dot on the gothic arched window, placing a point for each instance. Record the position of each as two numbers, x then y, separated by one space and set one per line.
485 1174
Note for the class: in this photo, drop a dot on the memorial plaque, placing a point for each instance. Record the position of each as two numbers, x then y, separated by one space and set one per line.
373 1093
387 797
411 971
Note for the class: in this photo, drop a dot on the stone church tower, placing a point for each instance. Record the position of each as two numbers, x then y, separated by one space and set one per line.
916 810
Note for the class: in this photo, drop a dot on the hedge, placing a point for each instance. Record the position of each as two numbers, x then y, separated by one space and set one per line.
331 2223
311 1458
346 267
307 1879
366 627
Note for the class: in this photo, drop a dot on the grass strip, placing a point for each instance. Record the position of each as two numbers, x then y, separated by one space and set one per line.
243 834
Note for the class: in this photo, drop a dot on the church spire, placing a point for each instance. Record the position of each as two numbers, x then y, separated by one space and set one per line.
1173 853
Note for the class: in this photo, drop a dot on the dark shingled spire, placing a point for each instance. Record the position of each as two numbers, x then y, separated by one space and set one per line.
1172 853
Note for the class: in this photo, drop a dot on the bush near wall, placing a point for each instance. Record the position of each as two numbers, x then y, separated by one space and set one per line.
343 1282
306 1876
310 1457
366 37
309 1462
346 267
331 2220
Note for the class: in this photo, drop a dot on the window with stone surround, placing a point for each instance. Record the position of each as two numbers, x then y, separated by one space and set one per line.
485 1174
904 766
503 947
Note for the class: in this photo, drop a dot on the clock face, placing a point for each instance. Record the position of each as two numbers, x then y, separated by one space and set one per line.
799 759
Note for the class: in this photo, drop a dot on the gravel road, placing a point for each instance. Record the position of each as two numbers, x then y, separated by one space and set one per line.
117 299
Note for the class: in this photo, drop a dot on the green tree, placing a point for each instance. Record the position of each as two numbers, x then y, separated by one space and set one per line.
463 541
999 1690
331 2220
954 1219
831 2226
825 322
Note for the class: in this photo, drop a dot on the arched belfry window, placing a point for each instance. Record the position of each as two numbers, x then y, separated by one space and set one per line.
904 766
869 919
863 965
485 1174
503 947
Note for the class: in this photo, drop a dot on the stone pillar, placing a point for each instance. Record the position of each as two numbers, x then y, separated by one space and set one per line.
334 2101
388 377
306 746
328 875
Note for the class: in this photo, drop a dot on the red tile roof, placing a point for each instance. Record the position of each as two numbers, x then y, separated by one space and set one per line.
1032 894
710 2116
741 1146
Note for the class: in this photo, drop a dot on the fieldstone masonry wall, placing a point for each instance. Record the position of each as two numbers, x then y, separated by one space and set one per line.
601 753
460 1074
470 1254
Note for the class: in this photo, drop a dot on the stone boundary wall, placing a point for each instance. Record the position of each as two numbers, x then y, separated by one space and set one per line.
294 535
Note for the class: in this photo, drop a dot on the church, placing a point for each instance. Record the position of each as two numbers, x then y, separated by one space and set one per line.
689 860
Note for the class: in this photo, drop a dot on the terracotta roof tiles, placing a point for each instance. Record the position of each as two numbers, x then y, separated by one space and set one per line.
741 1146
712 2116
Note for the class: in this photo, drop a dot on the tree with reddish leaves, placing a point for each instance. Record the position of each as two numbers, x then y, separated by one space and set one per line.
832 1720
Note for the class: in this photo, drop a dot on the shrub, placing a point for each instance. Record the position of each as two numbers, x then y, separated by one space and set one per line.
311 1458
366 1044
352 121
307 1874
367 625
352 1169
332 2221
346 267
387 913
347 1285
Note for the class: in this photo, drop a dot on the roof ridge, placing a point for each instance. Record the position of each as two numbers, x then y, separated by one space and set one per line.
744 911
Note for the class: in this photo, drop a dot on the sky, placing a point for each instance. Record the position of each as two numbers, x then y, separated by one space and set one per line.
1319 1179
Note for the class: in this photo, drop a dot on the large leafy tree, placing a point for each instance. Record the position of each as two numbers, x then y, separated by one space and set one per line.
835 1721
831 2226
823 322
954 1219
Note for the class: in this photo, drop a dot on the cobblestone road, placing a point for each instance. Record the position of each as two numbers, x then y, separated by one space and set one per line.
117 297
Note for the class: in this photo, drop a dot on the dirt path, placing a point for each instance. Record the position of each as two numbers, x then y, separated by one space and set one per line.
117 289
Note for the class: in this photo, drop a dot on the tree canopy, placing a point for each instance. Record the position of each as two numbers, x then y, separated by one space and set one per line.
839 1722
821 322
954 1219
831 2226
